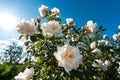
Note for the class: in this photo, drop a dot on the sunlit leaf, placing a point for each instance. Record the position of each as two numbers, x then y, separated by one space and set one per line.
42 51
20 36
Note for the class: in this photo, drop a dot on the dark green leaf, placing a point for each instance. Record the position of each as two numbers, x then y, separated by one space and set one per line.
20 36
58 19
40 36
42 51
33 38
36 37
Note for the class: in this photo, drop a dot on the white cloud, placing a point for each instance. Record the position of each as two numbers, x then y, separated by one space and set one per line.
4 43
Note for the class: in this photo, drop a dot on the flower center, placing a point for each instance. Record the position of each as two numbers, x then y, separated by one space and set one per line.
54 27
68 56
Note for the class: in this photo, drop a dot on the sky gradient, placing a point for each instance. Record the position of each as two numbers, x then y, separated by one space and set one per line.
103 12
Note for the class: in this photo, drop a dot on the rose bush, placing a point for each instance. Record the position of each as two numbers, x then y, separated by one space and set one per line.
66 52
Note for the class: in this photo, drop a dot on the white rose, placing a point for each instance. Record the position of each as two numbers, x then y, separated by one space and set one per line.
69 57
91 35
93 45
105 36
101 42
55 11
96 78
29 72
73 39
52 28
98 63
96 50
118 68
26 75
108 43
111 50
119 34
70 22
115 37
67 36
43 10
106 64
91 26
119 27
26 27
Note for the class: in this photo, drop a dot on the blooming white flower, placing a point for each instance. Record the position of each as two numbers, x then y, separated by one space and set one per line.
108 43
118 27
119 34
93 45
91 26
67 36
26 27
68 31
98 63
118 68
26 75
70 22
105 36
69 57
43 10
111 50
106 64
101 42
52 28
96 78
55 11
115 37
73 39
96 50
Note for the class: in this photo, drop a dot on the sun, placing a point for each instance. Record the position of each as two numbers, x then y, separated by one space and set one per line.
7 21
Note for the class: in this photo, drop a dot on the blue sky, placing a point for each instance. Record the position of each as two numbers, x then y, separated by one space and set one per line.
103 12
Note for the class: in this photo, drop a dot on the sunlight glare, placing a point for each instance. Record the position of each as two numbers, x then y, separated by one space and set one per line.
7 21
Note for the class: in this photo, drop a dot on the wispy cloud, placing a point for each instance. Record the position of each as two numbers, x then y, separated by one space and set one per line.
4 43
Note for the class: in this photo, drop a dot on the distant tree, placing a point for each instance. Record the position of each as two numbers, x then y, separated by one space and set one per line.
12 53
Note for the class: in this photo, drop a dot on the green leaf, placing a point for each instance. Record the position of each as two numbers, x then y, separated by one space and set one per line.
36 37
40 36
42 51
33 38
58 19
20 36
39 59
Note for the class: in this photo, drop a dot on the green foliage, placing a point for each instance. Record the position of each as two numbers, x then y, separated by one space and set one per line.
8 71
